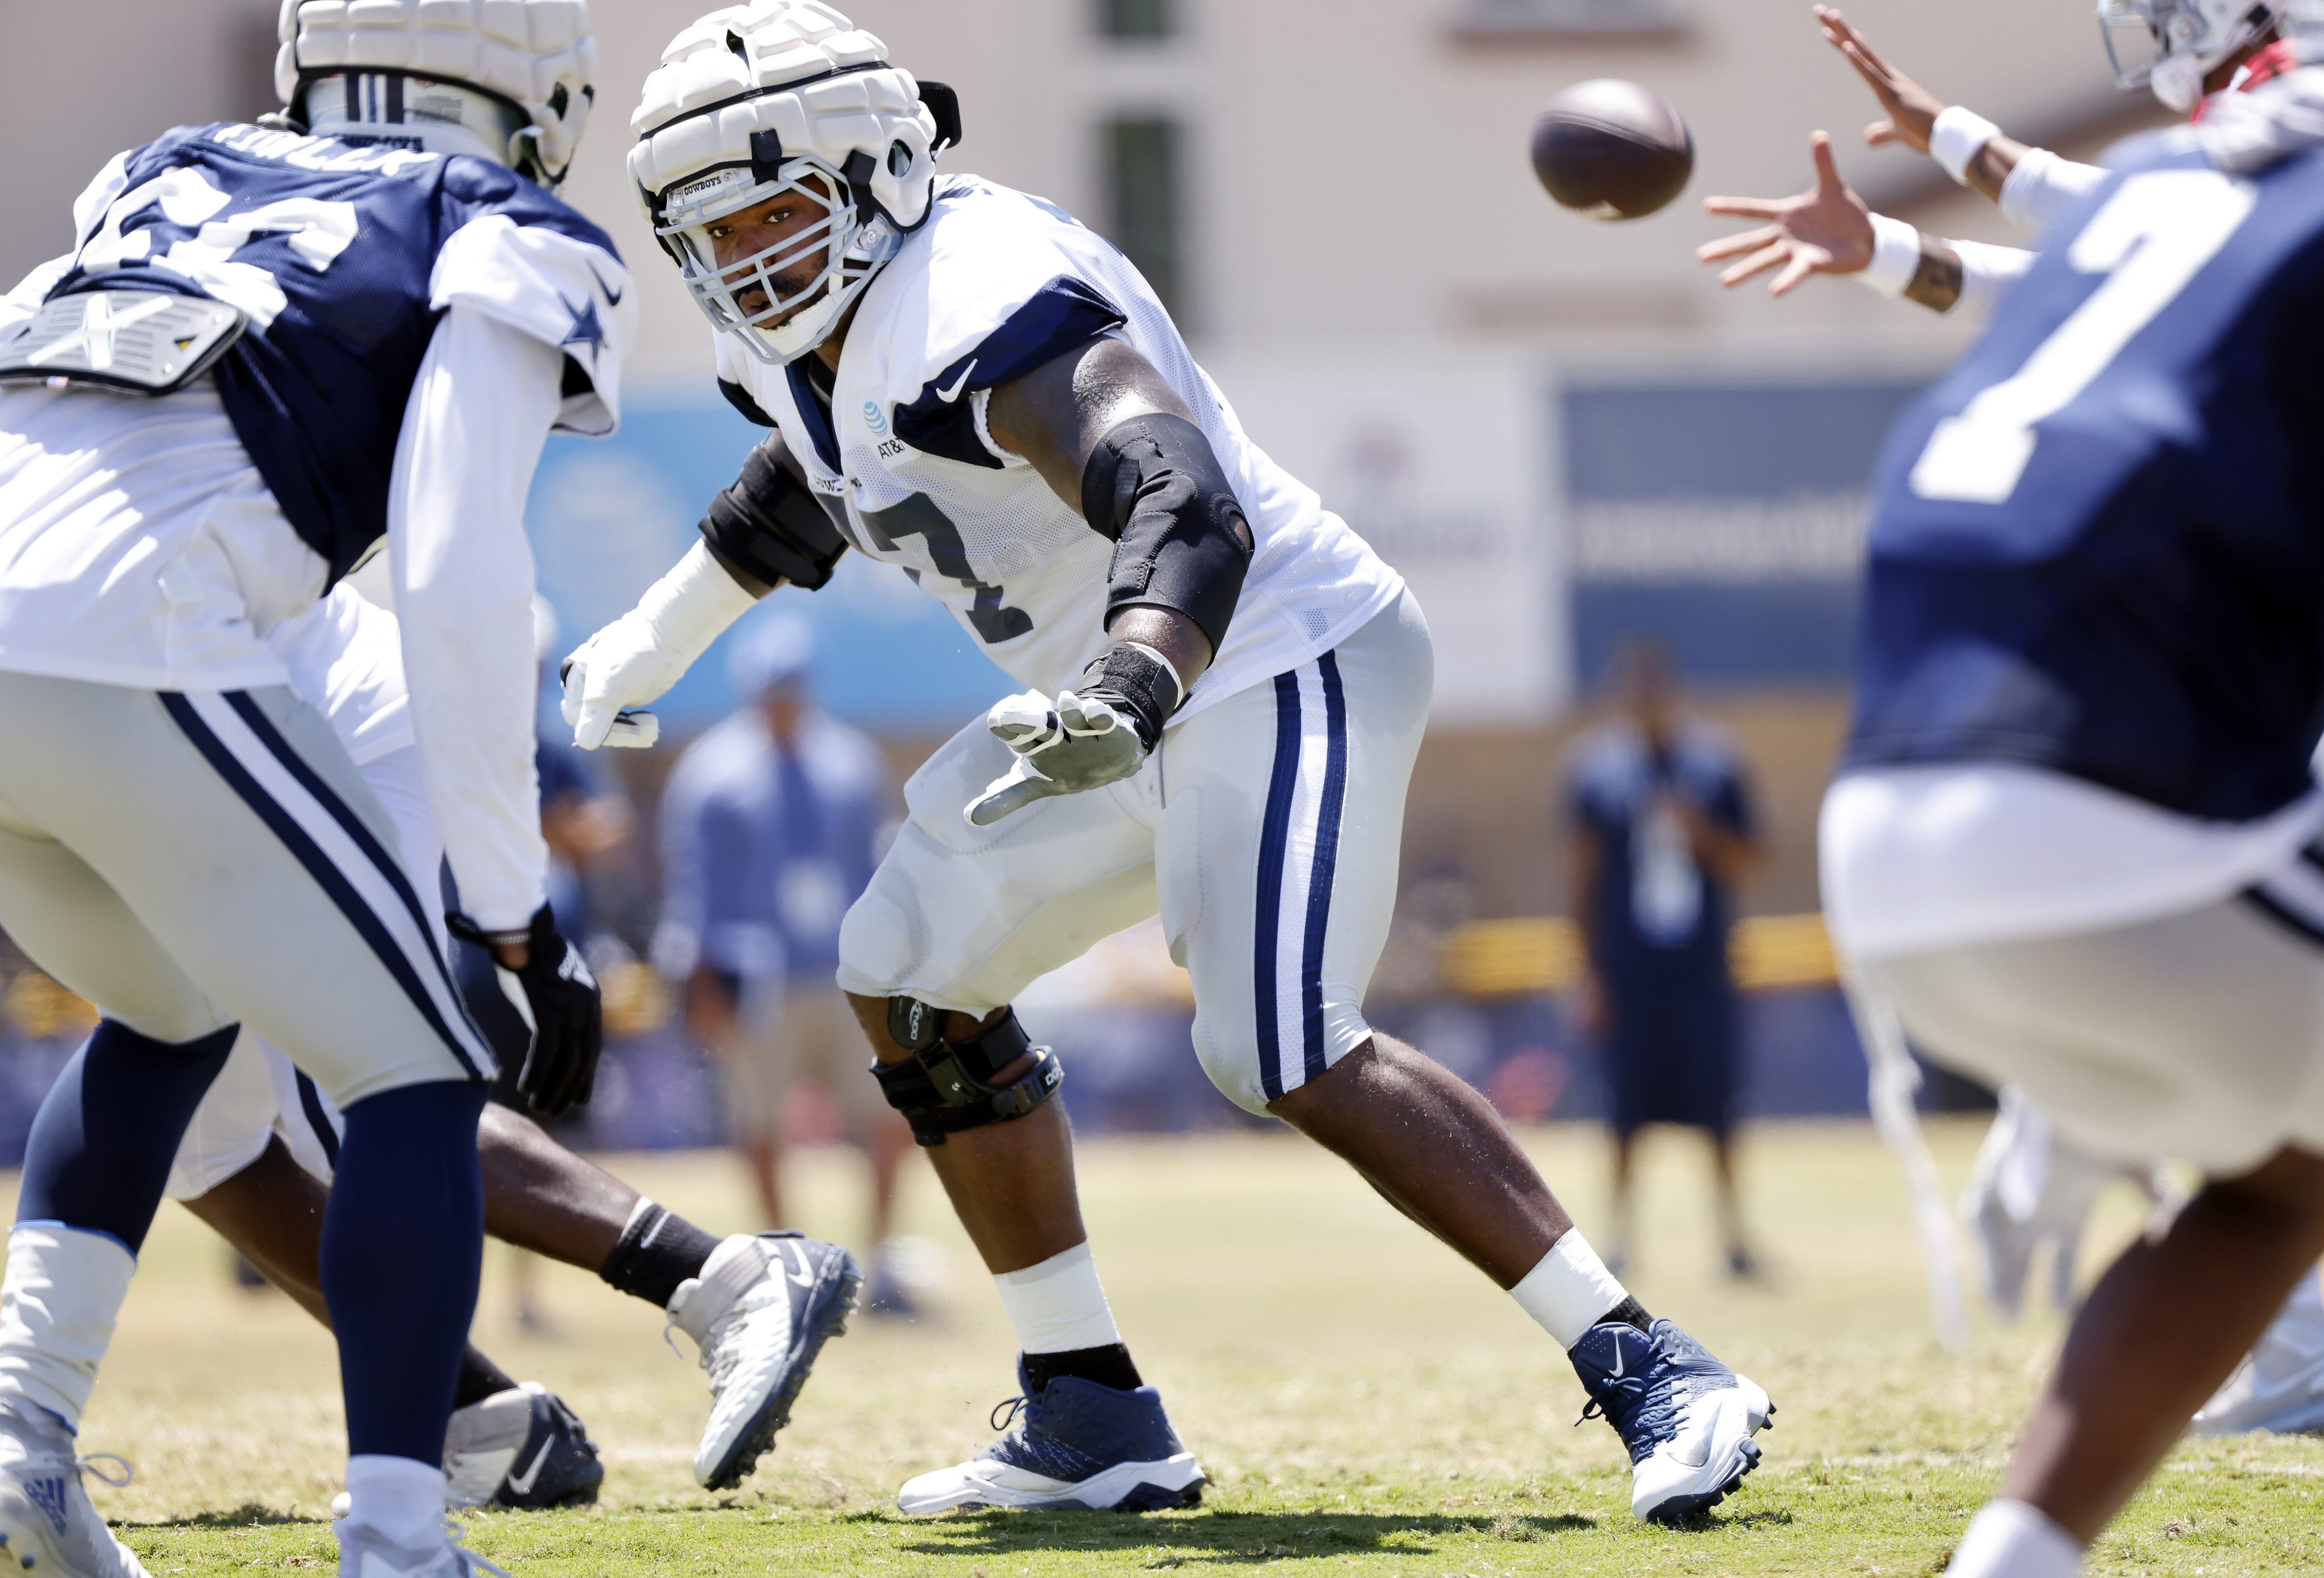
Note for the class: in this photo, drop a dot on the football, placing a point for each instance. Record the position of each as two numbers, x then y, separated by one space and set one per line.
1611 150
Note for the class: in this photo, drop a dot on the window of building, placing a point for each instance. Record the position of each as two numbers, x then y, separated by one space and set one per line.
1145 208
1137 19
1486 19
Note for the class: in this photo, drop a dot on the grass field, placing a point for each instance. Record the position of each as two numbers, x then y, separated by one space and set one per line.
1364 1404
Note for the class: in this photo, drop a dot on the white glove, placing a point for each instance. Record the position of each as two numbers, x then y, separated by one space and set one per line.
1078 742
633 660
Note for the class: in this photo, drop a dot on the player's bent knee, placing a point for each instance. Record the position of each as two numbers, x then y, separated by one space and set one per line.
945 1087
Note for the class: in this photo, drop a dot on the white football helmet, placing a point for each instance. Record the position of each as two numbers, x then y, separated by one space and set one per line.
2171 45
510 80
782 97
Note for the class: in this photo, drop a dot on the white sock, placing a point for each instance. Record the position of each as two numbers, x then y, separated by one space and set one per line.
1059 1306
400 1497
2010 1539
57 1305
1571 1289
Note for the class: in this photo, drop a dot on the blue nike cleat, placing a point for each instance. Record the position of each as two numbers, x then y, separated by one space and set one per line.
1077 1446
1687 1419
521 1448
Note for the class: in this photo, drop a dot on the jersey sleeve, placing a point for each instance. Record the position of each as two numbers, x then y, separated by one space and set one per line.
2043 186
564 292
1003 287
479 415
1988 273
89 208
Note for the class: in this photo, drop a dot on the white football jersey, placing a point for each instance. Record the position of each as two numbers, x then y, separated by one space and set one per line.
994 285
345 660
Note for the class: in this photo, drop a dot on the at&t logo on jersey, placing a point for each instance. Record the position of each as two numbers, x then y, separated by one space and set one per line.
874 419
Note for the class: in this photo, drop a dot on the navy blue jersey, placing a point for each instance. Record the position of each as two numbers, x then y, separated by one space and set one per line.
339 255
2099 547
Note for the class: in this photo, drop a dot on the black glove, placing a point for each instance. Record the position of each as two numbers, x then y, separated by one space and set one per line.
556 997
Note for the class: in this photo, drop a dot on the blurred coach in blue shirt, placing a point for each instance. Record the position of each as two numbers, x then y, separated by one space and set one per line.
769 824
1663 832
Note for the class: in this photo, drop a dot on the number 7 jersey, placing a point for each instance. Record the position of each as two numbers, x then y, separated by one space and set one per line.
2099 545
992 286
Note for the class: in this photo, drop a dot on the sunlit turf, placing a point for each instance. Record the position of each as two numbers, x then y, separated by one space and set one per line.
1363 1402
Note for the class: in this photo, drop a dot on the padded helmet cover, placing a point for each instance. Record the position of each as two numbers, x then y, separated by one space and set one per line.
536 54
801 71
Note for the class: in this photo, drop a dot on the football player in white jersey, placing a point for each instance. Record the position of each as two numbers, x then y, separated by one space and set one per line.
1226 689
268 353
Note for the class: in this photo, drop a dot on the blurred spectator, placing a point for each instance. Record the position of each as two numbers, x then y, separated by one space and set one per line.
768 827
1662 829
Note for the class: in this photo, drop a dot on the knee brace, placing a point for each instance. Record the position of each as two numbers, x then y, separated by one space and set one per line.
946 1087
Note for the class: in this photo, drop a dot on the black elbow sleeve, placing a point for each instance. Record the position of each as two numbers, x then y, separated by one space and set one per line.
1155 488
771 525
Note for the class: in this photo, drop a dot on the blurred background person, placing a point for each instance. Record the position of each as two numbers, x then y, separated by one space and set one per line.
771 825
1662 829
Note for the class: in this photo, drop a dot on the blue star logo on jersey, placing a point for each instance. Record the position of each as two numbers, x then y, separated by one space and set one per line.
588 328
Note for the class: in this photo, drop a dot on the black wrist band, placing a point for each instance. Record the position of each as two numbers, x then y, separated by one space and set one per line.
1148 686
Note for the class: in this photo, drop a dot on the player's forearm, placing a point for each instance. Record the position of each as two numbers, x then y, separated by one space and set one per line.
473 432
1944 275
1168 632
1988 172
1937 279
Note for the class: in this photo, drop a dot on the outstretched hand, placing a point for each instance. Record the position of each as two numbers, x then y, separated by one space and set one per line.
1826 230
1911 109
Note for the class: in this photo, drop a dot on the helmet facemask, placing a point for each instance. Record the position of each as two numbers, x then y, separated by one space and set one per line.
785 298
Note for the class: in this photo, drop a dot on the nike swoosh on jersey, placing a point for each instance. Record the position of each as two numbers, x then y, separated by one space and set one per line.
523 1483
612 297
952 394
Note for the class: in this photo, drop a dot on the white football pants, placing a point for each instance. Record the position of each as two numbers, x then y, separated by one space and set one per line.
1267 830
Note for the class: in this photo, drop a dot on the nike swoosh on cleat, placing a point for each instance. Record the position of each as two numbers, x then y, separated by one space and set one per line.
803 1278
1618 1360
949 396
523 1483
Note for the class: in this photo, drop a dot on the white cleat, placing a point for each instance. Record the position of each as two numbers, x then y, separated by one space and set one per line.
47 1525
364 1552
759 1314
2280 1386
